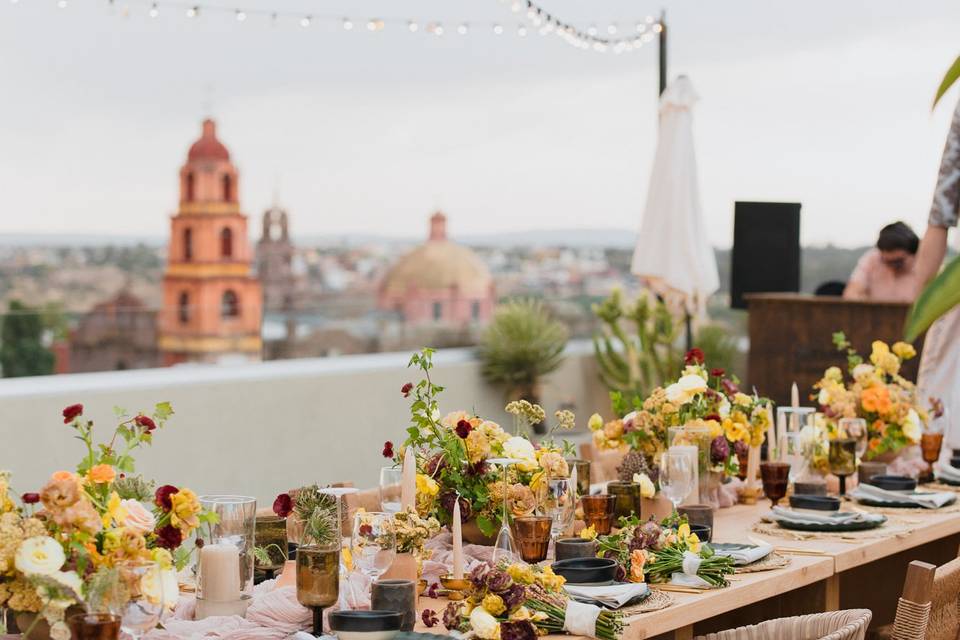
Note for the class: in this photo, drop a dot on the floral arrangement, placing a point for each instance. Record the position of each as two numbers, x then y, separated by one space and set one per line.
412 531
700 397
65 540
452 455
876 392
518 602
653 552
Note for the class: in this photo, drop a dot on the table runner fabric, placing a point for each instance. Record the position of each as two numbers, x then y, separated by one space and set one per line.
932 500
946 472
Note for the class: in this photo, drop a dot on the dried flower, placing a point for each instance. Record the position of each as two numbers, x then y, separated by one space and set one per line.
387 449
452 616
498 581
518 630
72 412
429 617
719 450
283 505
406 389
433 591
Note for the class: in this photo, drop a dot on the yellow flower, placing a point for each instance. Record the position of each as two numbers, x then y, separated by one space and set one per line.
494 604
115 511
484 625
521 572
101 474
715 428
735 431
647 490
522 613
162 557
185 507
595 423
690 539
742 399
551 580
478 446
904 350
589 533
427 485
833 374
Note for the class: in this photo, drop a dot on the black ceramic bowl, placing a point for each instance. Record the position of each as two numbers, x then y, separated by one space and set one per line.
702 532
586 570
894 483
365 621
955 462
814 503
567 548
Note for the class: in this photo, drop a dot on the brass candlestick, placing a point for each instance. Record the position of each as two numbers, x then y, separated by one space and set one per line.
457 589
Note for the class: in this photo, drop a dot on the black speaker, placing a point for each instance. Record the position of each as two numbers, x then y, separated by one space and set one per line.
766 249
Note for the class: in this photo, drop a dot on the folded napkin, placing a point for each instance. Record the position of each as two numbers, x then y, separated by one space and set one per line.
828 518
611 596
947 472
744 553
925 500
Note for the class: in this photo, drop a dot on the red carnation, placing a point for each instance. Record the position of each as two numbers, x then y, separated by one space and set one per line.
162 496
463 428
729 387
429 617
717 373
145 422
405 389
169 537
283 505
72 412
694 356
30 498
387 449
713 416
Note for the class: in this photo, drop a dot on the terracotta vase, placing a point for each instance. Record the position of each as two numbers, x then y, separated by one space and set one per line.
472 534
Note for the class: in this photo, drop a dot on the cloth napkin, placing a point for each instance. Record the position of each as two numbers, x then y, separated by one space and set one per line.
611 596
836 517
925 500
947 472
745 554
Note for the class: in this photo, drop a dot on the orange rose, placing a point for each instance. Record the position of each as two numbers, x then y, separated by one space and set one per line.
876 399
60 476
102 474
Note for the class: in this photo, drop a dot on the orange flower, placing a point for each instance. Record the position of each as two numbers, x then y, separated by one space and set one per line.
60 476
874 444
876 399
879 426
638 558
102 474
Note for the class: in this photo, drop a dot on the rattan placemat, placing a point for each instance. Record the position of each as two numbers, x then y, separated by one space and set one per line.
658 600
771 561
890 529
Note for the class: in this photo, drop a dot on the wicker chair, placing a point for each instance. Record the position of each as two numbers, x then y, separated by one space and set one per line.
929 608
833 625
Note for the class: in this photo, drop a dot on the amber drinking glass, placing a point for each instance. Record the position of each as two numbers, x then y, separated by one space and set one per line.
930 443
843 460
532 535
94 626
598 512
775 477
318 580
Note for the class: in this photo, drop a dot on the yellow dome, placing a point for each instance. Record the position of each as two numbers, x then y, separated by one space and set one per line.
438 264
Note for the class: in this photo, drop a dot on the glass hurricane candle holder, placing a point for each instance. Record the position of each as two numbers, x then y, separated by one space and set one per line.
532 535
318 580
235 526
598 512
627 498
583 475
843 460
930 444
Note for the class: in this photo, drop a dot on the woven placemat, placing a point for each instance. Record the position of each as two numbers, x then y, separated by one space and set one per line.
658 600
893 511
771 561
890 529
939 486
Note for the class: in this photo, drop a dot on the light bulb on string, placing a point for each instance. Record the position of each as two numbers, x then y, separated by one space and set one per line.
305 21
241 15
154 11
62 4
375 25
498 29
516 6
649 19
521 31
592 30
641 27
647 37
192 12
462 29
347 24
438 30
657 28
612 29
413 26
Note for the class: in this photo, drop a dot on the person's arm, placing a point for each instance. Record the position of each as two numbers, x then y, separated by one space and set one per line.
857 287
933 248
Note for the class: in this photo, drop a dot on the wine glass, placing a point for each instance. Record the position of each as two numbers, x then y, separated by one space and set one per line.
855 428
843 460
676 477
775 477
374 543
138 597
390 480
559 504
930 444
504 548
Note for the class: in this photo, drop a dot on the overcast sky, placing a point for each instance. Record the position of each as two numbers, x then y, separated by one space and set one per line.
823 102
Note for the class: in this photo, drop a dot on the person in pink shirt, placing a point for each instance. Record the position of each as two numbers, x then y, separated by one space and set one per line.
887 272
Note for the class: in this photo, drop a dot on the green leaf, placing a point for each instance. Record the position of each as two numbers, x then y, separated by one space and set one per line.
938 297
125 464
162 410
951 76
119 412
486 526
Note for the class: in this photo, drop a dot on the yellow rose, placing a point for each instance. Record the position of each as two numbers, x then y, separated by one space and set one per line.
595 423
184 510
715 428
588 533
478 446
494 604
101 474
427 485
904 350
521 572
551 580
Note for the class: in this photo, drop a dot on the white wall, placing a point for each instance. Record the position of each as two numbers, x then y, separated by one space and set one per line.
258 429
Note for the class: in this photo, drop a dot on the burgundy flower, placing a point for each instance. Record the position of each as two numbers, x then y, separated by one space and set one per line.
717 373
499 581
719 450
452 618
479 575
387 449
713 416
366 529
463 428
162 496
30 498
518 630
741 448
447 501
72 412
146 422
199 543
710 393
694 356
406 389
283 505
433 591
435 465
621 574
477 469
169 537
514 596
429 617
729 386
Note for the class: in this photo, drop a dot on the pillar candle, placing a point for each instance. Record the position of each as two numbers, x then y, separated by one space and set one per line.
573 481
692 452
408 479
795 403
220 572
457 541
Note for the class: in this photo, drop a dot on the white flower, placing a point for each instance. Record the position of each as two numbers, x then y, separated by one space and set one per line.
684 389
674 393
862 371
629 419
911 426
139 519
823 397
39 555
521 449
647 490
484 624
724 409
70 580
171 588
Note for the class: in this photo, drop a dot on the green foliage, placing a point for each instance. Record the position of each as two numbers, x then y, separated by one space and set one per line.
21 348
424 408
938 297
521 345
721 348
948 79
134 488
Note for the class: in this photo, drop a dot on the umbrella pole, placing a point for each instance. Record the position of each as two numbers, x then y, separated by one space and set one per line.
688 321
663 51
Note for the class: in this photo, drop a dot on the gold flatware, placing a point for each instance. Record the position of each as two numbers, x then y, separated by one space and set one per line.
678 589
800 552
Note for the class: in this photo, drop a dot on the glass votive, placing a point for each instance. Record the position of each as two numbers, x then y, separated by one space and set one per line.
532 535
318 579
396 595
94 626
235 527
627 498
271 536
598 512
583 475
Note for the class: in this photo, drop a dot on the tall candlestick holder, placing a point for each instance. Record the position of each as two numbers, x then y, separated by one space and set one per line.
226 560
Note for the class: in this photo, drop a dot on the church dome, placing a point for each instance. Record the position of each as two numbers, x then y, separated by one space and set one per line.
438 264
208 147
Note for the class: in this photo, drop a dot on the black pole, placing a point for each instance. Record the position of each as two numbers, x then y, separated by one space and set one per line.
663 50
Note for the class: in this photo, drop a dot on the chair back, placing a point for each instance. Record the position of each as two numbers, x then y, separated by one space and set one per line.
929 608
850 624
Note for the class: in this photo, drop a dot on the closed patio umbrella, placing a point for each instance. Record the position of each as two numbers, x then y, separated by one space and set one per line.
673 257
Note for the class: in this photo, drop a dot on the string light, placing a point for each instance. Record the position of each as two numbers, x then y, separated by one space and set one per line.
498 29
612 29
305 21
521 31
192 12
241 15
462 29
154 11
413 27
62 4
347 24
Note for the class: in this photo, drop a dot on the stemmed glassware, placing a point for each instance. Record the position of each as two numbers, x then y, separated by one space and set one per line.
676 477
855 429
374 543
137 597
560 504
390 480
504 548
843 460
